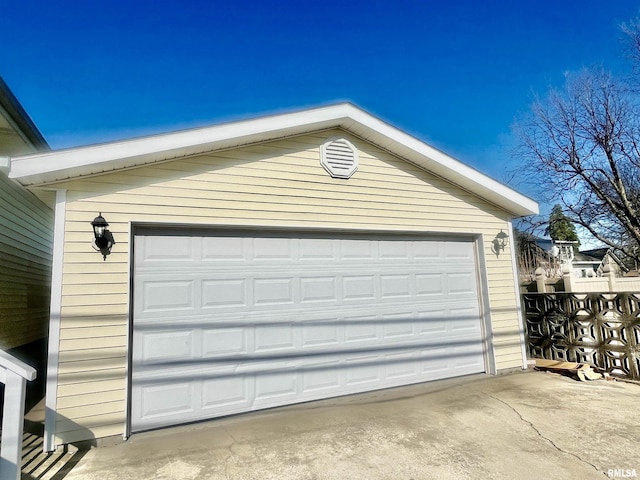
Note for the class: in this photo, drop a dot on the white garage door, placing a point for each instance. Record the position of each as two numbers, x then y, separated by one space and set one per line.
228 323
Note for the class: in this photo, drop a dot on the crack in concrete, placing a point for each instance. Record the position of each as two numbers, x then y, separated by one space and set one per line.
231 453
533 427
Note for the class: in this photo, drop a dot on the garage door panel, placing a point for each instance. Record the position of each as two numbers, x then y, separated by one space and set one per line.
466 357
398 285
276 387
323 377
270 249
361 329
355 250
224 293
317 249
166 249
168 400
429 285
461 283
434 362
364 370
167 346
394 250
358 287
464 324
401 366
275 338
318 289
398 326
457 250
223 249
252 322
227 394
221 342
432 322
320 333
168 295
273 291
428 250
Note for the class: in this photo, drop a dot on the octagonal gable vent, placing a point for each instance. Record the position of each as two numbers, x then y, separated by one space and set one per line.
339 157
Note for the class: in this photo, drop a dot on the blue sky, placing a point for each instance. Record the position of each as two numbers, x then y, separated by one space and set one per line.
454 74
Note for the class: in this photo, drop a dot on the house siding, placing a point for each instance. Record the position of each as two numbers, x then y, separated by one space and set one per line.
276 184
25 262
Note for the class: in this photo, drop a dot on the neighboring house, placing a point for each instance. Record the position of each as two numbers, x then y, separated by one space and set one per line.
606 256
26 233
584 265
551 256
548 266
533 253
267 262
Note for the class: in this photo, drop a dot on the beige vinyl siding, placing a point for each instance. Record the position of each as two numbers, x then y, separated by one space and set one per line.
279 184
25 261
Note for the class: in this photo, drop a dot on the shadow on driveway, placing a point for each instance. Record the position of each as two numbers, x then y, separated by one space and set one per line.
526 426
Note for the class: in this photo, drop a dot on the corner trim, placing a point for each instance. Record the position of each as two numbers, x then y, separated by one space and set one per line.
51 397
129 385
5 165
516 283
485 307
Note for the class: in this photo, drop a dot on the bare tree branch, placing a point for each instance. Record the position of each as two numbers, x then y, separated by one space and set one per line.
581 147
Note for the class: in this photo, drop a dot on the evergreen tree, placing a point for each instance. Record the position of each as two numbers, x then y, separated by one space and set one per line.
561 227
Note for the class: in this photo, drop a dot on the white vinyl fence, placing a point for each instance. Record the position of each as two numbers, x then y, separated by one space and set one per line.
608 282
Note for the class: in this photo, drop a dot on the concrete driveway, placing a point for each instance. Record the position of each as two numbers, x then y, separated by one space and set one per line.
527 425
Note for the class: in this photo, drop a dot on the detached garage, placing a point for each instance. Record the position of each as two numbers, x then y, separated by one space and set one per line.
267 262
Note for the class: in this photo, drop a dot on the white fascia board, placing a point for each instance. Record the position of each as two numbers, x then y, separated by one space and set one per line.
56 166
441 164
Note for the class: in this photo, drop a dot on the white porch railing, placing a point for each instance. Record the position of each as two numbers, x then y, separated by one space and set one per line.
14 374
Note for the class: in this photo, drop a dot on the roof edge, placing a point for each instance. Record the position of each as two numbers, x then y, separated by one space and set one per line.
19 116
50 167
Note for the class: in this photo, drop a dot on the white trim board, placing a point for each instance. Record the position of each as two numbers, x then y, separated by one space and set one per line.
48 167
516 282
51 396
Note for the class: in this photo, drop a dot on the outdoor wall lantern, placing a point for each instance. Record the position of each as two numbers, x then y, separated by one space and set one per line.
103 240
498 243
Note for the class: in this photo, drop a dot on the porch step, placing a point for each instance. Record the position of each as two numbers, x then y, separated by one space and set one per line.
44 466
37 465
